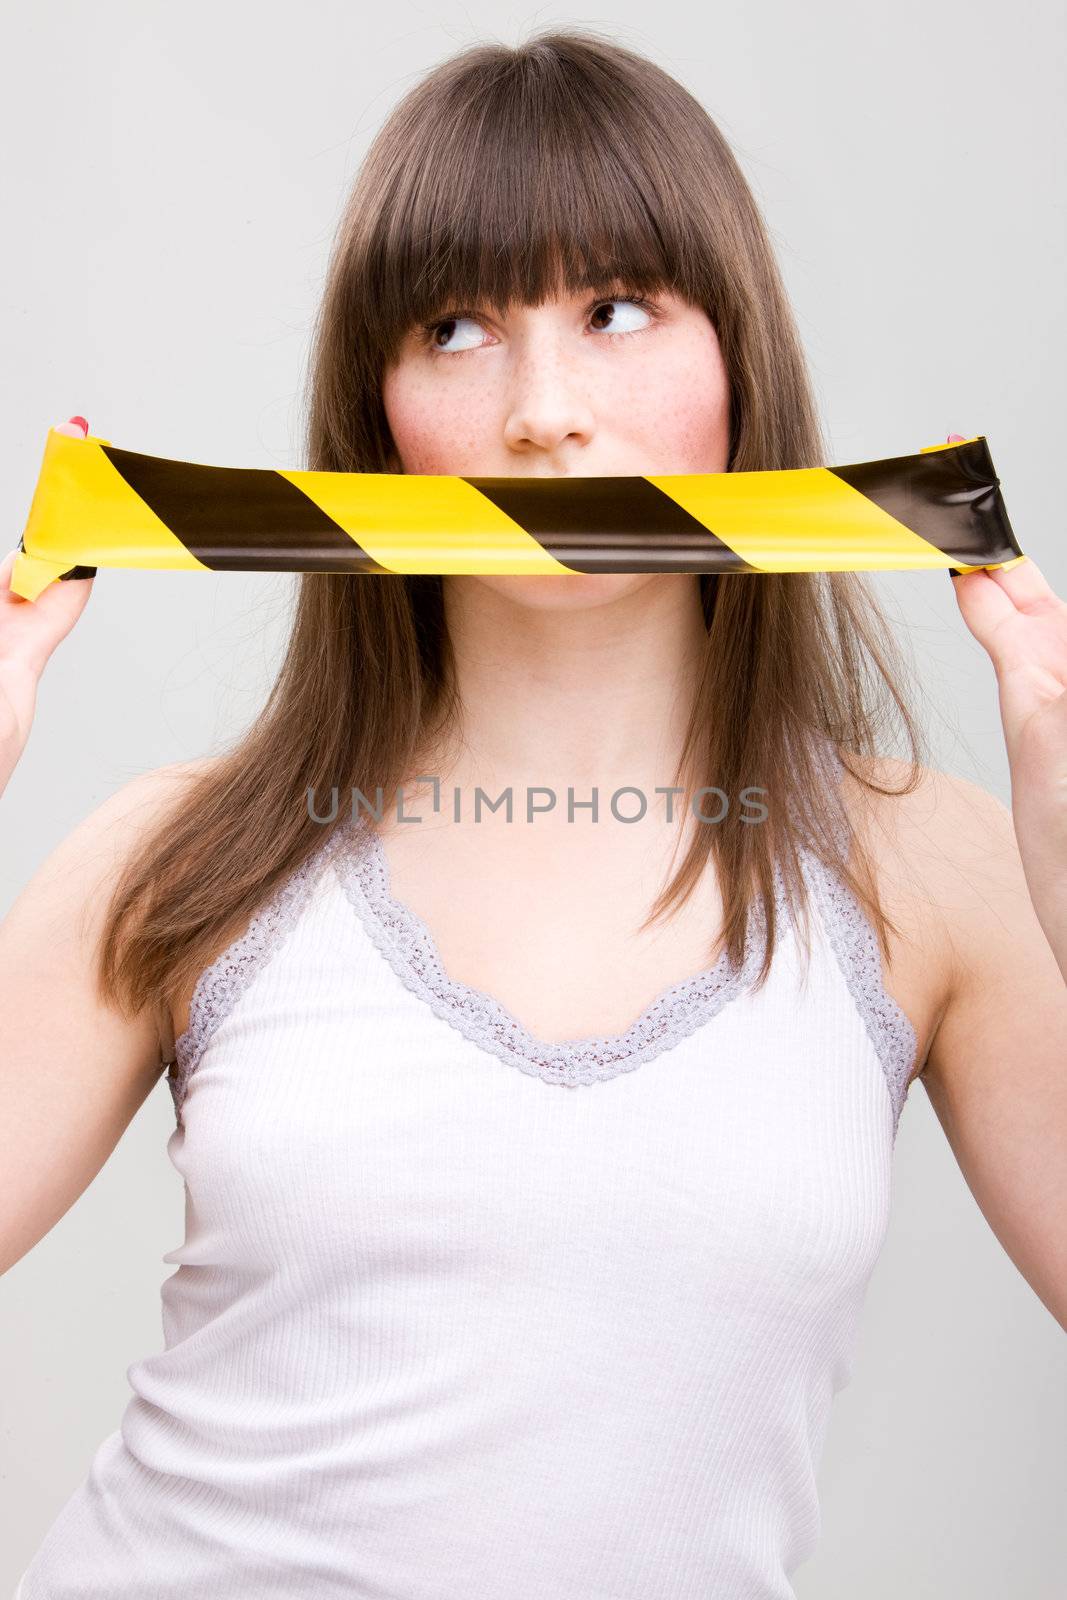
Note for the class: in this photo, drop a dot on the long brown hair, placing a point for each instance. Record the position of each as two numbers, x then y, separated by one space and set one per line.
504 175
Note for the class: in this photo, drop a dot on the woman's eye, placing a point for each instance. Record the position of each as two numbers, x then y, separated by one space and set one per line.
452 335
614 324
442 332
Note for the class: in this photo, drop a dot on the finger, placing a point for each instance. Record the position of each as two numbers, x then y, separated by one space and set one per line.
983 604
7 569
74 428
1024 583
990 600
1021 583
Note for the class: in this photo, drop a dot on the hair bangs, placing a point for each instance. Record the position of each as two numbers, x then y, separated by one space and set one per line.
528 190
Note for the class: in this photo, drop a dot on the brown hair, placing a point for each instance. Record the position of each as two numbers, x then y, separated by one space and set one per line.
509 174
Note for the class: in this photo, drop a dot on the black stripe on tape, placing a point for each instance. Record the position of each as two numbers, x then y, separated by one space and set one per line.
239 518
627 515
953 496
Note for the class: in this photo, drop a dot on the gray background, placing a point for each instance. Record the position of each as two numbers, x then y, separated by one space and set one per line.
172 178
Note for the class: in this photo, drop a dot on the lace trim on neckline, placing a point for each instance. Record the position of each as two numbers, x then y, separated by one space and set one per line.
855 944
407 944
409 947
219 985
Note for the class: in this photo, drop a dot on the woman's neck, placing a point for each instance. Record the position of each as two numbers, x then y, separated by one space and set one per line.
557 696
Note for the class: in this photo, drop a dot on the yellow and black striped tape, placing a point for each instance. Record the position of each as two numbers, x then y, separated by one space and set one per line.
97 506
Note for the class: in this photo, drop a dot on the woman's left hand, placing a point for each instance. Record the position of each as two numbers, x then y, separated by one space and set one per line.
1022 623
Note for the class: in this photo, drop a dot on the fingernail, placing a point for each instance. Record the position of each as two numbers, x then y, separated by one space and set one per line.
81 422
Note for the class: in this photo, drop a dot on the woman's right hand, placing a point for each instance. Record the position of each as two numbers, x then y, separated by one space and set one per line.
29 632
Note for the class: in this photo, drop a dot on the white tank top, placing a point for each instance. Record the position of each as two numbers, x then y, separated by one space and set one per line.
461 1315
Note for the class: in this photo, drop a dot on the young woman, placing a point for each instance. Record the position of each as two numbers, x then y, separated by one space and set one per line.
534 1180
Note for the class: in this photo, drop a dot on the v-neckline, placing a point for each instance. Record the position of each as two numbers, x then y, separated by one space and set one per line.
407 944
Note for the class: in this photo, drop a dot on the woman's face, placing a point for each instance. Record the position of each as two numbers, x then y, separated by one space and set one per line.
580 386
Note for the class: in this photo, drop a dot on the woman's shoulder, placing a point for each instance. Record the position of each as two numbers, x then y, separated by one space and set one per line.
939 852
173 781
910 804
87 864
148 797
937 841
95 851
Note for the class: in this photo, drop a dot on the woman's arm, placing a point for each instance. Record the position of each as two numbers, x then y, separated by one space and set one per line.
996 1071
1022 623
73 1071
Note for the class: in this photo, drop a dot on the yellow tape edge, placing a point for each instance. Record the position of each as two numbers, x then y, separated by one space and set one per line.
926 449
991 566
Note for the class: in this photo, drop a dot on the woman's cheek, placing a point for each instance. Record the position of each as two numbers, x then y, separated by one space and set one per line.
433 437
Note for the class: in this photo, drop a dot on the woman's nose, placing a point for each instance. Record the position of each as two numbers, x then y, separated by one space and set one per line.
547 408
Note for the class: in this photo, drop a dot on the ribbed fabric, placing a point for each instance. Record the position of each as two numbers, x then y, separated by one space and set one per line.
460 1318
